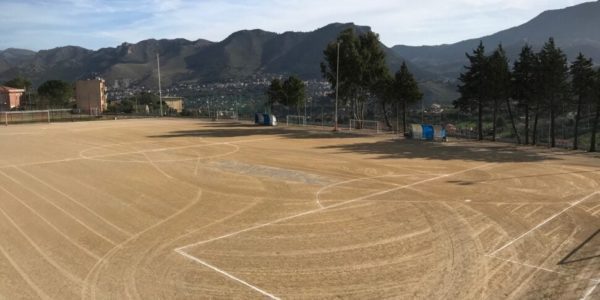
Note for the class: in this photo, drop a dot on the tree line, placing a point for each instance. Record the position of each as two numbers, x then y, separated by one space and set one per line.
364 79
50 94
538 84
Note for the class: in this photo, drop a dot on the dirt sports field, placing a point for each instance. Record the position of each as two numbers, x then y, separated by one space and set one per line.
164 209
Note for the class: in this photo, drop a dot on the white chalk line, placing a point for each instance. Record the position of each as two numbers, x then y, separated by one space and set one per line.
73 217
156 166
76 202
328 207
191 257
110 253
181 250
350 181
169 148
97 158
543 223
590 290
24 275
542 268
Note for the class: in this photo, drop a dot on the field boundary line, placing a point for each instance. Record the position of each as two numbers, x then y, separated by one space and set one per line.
330 206
544 222
271 296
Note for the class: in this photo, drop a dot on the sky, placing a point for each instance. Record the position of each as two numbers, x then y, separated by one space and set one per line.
94 24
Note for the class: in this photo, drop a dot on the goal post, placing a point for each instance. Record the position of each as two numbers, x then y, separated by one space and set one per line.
369 125
294 120
33 116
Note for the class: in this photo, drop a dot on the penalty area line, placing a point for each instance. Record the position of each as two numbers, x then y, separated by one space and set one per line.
191 257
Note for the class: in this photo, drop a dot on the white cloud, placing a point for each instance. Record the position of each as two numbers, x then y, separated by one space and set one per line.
38 24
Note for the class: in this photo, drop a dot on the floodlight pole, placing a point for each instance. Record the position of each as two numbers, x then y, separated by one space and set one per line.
337 86
159 88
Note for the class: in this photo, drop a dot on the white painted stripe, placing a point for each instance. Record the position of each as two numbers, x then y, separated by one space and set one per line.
227 274
590 290
539 268
328 207
543 223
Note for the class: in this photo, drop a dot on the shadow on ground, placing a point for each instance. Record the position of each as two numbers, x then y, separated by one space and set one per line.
392 148
230 130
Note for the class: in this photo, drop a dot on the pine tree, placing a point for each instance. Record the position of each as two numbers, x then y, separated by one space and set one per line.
472 87
498 85
583 74
524 83
406 91
596 97
553 79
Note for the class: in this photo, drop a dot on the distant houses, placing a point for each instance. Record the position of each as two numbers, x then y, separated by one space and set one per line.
10 98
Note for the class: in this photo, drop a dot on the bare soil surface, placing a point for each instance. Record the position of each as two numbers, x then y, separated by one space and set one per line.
171 208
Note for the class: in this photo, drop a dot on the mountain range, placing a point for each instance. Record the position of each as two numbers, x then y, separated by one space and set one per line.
575 29
241 55
249 53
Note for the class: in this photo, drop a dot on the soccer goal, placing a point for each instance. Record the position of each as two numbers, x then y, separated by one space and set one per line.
226 115
292 120
368 125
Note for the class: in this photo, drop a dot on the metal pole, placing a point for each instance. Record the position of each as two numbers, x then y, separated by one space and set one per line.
159 88
337 86
422 111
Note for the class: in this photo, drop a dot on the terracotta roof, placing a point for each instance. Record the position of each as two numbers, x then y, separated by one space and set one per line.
6 89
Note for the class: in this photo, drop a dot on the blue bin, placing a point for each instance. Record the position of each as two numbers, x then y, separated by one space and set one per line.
266 119
428 132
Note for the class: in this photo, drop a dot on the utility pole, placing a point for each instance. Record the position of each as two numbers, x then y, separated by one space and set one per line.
337 86
159 88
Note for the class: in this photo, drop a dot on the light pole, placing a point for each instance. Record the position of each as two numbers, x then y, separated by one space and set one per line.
159 88
337 86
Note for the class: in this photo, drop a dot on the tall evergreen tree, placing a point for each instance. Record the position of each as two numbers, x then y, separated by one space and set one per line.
596 97
294 90
274 93
406 91
582 72
554 73
524 83
499 86
472 86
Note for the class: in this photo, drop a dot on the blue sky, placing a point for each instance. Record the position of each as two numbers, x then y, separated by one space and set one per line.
93 24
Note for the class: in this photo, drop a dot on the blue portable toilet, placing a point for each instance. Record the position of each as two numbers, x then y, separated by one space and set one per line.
428 132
